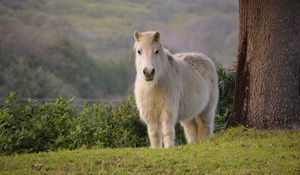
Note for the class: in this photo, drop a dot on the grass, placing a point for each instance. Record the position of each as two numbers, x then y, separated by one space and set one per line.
235 151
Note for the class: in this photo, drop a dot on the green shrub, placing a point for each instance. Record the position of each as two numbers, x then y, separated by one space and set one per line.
108 126
226 96
25 128
29 127
32 127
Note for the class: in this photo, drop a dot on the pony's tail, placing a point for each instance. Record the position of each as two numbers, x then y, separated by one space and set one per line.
202 132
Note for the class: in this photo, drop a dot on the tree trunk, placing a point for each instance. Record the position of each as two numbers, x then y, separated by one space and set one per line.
267 90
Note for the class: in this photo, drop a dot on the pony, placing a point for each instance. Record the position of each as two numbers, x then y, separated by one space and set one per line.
173 88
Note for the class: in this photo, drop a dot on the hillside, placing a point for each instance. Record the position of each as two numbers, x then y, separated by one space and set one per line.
236 151
83 48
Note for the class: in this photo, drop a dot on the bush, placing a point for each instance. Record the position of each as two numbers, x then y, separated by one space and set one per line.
108 126
26 128
226 96
32 127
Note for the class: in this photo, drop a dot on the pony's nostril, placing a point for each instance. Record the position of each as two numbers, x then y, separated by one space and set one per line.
145 72
152 71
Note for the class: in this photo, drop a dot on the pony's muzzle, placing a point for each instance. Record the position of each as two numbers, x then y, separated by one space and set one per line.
149 73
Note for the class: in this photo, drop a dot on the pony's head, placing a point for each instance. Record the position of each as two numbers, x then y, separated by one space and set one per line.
149 55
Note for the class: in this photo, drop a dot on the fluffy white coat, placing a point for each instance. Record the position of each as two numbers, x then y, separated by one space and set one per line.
184 88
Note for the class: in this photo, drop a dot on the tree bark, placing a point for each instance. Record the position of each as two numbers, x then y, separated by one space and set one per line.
267 89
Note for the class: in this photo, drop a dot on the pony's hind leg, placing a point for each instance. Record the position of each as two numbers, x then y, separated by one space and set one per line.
207 119
190 130
207 116
202 130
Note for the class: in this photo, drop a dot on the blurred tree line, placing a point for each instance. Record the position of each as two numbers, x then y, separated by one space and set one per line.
35 69
83 48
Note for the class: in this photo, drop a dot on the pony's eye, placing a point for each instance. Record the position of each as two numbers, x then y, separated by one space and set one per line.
156 52
139 52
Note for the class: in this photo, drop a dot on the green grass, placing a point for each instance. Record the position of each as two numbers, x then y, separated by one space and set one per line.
236 151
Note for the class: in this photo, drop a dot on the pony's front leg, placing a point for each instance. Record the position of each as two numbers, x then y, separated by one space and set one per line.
154 134
168 128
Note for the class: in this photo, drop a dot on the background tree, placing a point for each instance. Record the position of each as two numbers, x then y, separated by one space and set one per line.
267 93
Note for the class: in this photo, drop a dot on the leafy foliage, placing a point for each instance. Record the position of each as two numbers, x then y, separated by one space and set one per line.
108 126
30 127
226 96
26 127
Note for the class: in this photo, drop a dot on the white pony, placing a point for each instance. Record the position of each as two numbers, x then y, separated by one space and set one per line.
171 88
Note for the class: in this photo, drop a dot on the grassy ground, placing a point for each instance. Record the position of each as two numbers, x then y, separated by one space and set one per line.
236 151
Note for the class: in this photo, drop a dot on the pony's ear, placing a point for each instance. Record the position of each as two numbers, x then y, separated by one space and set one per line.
156 36
137 35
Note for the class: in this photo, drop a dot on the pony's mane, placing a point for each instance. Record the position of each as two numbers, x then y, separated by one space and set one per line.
169 55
